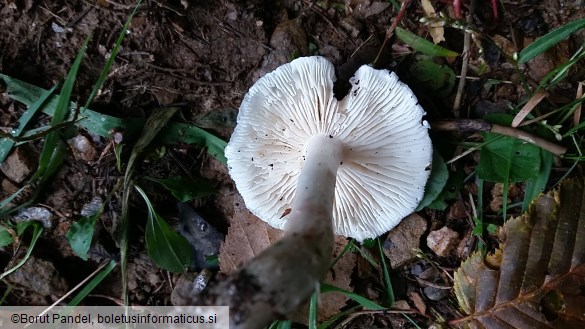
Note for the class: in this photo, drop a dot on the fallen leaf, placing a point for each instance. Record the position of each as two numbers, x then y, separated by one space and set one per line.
248 236
435 28
535 278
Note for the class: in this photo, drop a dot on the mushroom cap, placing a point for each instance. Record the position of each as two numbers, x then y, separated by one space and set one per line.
387 149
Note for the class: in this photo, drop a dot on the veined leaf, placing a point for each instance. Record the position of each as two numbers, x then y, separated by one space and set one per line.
167 248
505 159
437 180
536 278
548 40
80 234
423 45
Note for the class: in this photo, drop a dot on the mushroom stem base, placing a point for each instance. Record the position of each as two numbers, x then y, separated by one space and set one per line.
283 277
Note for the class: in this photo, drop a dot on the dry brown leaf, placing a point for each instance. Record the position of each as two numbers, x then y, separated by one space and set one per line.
248 236
339 276
436 29
536 278
419 303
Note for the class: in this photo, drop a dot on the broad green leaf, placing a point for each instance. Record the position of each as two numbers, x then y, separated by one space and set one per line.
5 237
428 75
423 45
506 159
92 284
548 40
437 180
167 248
80 234
450 190
183 188
353 296
38 229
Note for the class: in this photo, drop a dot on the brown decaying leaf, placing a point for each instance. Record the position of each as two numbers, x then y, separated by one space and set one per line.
538 278
435 29
248 236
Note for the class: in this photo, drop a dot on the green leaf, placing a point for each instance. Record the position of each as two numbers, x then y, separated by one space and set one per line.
167 248
183 188
423 45
353 296
537 185
437 180
428 75
506 159
386 273
548 40
61 110
5 237
313 310
80 234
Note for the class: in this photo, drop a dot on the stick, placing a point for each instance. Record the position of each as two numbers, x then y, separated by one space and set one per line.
468 125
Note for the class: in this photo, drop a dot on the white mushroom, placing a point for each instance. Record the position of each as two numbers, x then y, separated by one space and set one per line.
295 144
313 165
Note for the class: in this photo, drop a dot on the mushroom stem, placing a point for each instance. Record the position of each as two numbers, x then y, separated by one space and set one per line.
281 278
315 190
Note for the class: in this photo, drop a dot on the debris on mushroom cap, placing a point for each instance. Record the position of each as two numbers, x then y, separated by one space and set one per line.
386 147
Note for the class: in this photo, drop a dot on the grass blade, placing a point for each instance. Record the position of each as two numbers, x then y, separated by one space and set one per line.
548 40
106 69
101 124
423 45
353 296
387 281
60 114
313 308
38 229
7 144
92 284
156 121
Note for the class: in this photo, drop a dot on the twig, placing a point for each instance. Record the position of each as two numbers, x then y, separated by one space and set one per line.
468 125
464 65
392 27
94 273
529 106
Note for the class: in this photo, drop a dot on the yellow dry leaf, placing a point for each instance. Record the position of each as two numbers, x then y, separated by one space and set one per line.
435 28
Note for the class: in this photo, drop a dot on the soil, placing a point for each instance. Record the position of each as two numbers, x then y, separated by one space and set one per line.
202 57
